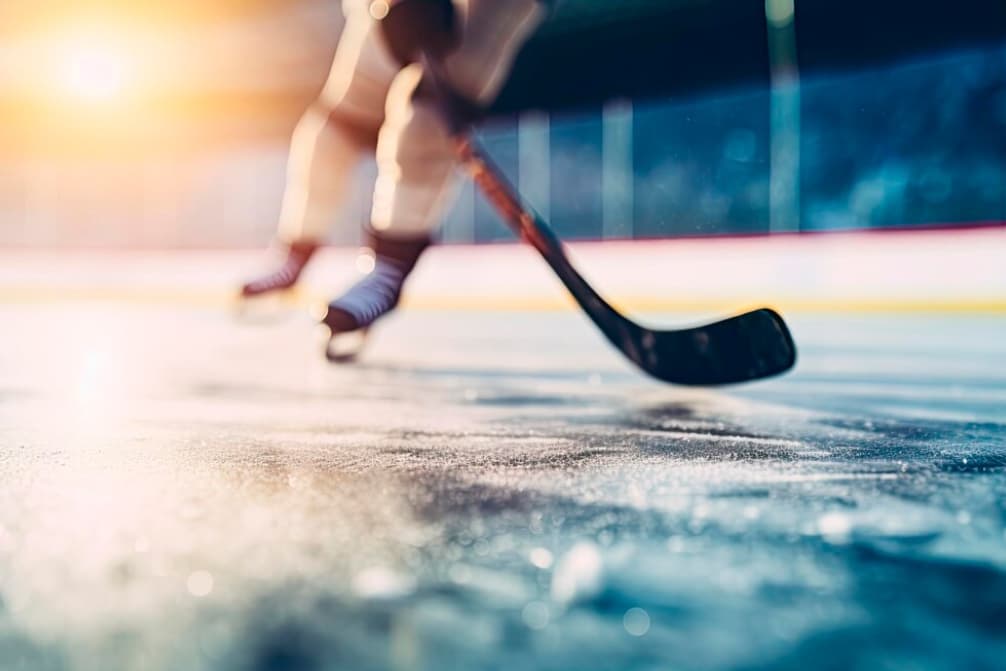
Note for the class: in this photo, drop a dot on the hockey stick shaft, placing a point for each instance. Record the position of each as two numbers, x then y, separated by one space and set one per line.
532 228
518 215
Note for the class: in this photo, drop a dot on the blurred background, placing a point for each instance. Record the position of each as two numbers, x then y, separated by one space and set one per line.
165 124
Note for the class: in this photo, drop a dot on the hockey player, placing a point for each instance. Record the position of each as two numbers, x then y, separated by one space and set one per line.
373 101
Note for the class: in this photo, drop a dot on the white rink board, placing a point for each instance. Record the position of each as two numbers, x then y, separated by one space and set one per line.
939 270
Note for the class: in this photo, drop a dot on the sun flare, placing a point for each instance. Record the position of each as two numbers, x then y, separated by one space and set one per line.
92 69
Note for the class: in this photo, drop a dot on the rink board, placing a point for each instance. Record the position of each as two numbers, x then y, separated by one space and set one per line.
943 270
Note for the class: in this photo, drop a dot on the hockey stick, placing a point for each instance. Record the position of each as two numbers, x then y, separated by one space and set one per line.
749 346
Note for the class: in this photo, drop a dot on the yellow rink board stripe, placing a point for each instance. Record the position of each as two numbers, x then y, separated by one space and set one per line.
196 297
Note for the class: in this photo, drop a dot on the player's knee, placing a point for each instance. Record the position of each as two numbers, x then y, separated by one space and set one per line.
360 131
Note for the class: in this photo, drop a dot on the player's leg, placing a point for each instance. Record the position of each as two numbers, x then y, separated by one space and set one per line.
416 166
328 142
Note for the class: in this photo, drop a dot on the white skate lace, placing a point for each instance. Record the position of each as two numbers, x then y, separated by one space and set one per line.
374 294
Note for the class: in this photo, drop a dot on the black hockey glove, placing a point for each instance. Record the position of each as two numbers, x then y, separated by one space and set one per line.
412 27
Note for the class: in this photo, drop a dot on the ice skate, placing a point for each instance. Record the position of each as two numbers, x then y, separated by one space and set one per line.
286 276
350 316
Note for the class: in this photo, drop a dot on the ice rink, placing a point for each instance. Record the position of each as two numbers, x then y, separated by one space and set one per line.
493 489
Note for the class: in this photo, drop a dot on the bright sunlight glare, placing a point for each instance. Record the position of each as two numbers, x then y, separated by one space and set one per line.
92 69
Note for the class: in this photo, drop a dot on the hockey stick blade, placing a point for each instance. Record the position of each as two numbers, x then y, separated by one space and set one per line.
747 347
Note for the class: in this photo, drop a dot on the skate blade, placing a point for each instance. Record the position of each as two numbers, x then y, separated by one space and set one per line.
345 347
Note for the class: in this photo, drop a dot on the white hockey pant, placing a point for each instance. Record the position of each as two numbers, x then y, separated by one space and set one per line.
369 94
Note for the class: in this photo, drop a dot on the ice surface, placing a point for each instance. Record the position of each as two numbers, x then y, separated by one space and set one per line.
493 491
